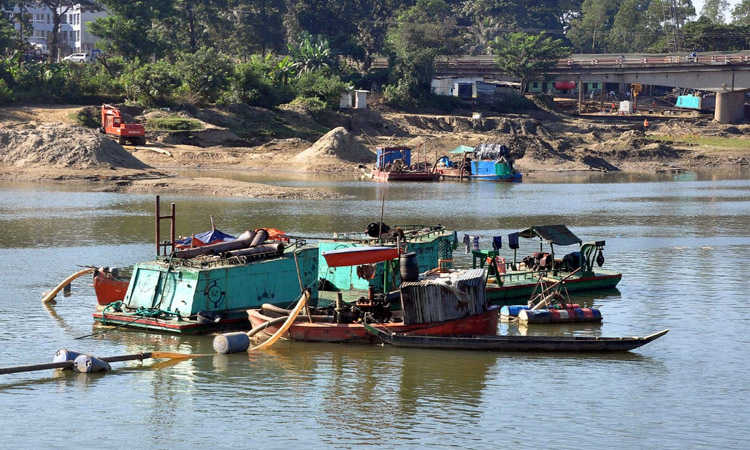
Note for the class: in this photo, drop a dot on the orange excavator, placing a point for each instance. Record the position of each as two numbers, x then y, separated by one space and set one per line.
112 124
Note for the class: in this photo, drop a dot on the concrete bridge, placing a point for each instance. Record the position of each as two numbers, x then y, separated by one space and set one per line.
726 73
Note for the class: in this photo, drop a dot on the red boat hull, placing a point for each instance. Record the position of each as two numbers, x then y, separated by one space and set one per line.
378 175
302 330
108 288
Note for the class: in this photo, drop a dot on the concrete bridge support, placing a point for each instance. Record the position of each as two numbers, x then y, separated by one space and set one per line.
730 107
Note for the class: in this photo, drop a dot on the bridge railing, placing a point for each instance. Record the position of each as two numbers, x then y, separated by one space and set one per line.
656 60
487 61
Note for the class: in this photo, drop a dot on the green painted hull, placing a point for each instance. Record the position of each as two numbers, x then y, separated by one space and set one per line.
226 290
517 289
428 249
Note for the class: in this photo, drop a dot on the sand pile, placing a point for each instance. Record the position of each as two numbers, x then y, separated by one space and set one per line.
63 146
337 150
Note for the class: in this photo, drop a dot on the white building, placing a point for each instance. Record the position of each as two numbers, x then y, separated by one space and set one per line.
74 35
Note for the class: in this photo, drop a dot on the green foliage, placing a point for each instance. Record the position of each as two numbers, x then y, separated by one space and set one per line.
164 52
134 29
151 84
252 83
6 35
528 56
512 103
205 74
741 13
6 93
423 32
708 36
312 105
173 123
714 10
399 94
312 54
89 117
325 88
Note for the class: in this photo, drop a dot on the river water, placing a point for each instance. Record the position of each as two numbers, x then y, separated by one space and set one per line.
682 242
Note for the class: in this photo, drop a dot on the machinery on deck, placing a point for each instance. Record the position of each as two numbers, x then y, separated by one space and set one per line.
113 125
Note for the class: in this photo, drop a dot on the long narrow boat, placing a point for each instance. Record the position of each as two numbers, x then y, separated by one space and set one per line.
516 343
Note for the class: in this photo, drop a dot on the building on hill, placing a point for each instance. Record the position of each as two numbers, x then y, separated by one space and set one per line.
74 36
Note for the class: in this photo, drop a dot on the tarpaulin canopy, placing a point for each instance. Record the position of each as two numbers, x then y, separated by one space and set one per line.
553 234
354 256
491 152
205 238
462 149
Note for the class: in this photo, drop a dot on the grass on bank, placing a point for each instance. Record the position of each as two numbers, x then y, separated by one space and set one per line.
173 124
704 141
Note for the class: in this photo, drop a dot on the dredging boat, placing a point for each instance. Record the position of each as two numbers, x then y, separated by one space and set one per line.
443 302
197 286
208 281
490 163
395 164
210 291
509 281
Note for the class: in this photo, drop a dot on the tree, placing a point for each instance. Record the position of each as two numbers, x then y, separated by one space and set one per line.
6 32
707 36
486 19
741 13
131 28
59 8
713 10
423 32
634 29
588 32
258 26
312 54
528 56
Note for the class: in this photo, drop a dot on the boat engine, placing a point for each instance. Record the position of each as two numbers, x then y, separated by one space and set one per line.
377 308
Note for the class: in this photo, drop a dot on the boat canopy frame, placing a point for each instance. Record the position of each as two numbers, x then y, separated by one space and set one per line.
551 234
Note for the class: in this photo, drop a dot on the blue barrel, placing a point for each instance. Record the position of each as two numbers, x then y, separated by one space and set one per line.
88 364
534 316
231 342
512 310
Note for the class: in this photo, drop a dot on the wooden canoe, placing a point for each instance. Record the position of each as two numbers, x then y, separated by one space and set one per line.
517 343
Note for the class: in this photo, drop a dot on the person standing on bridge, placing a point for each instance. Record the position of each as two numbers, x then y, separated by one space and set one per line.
693 56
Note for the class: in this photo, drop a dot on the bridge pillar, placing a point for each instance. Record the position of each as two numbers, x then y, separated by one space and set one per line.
730 107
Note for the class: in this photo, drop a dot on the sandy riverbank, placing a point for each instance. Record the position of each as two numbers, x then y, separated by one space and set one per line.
45 144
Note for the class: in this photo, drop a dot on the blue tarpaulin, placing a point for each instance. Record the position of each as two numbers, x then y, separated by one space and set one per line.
207 237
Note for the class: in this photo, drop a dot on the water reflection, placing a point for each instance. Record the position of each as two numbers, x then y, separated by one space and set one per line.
680 244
